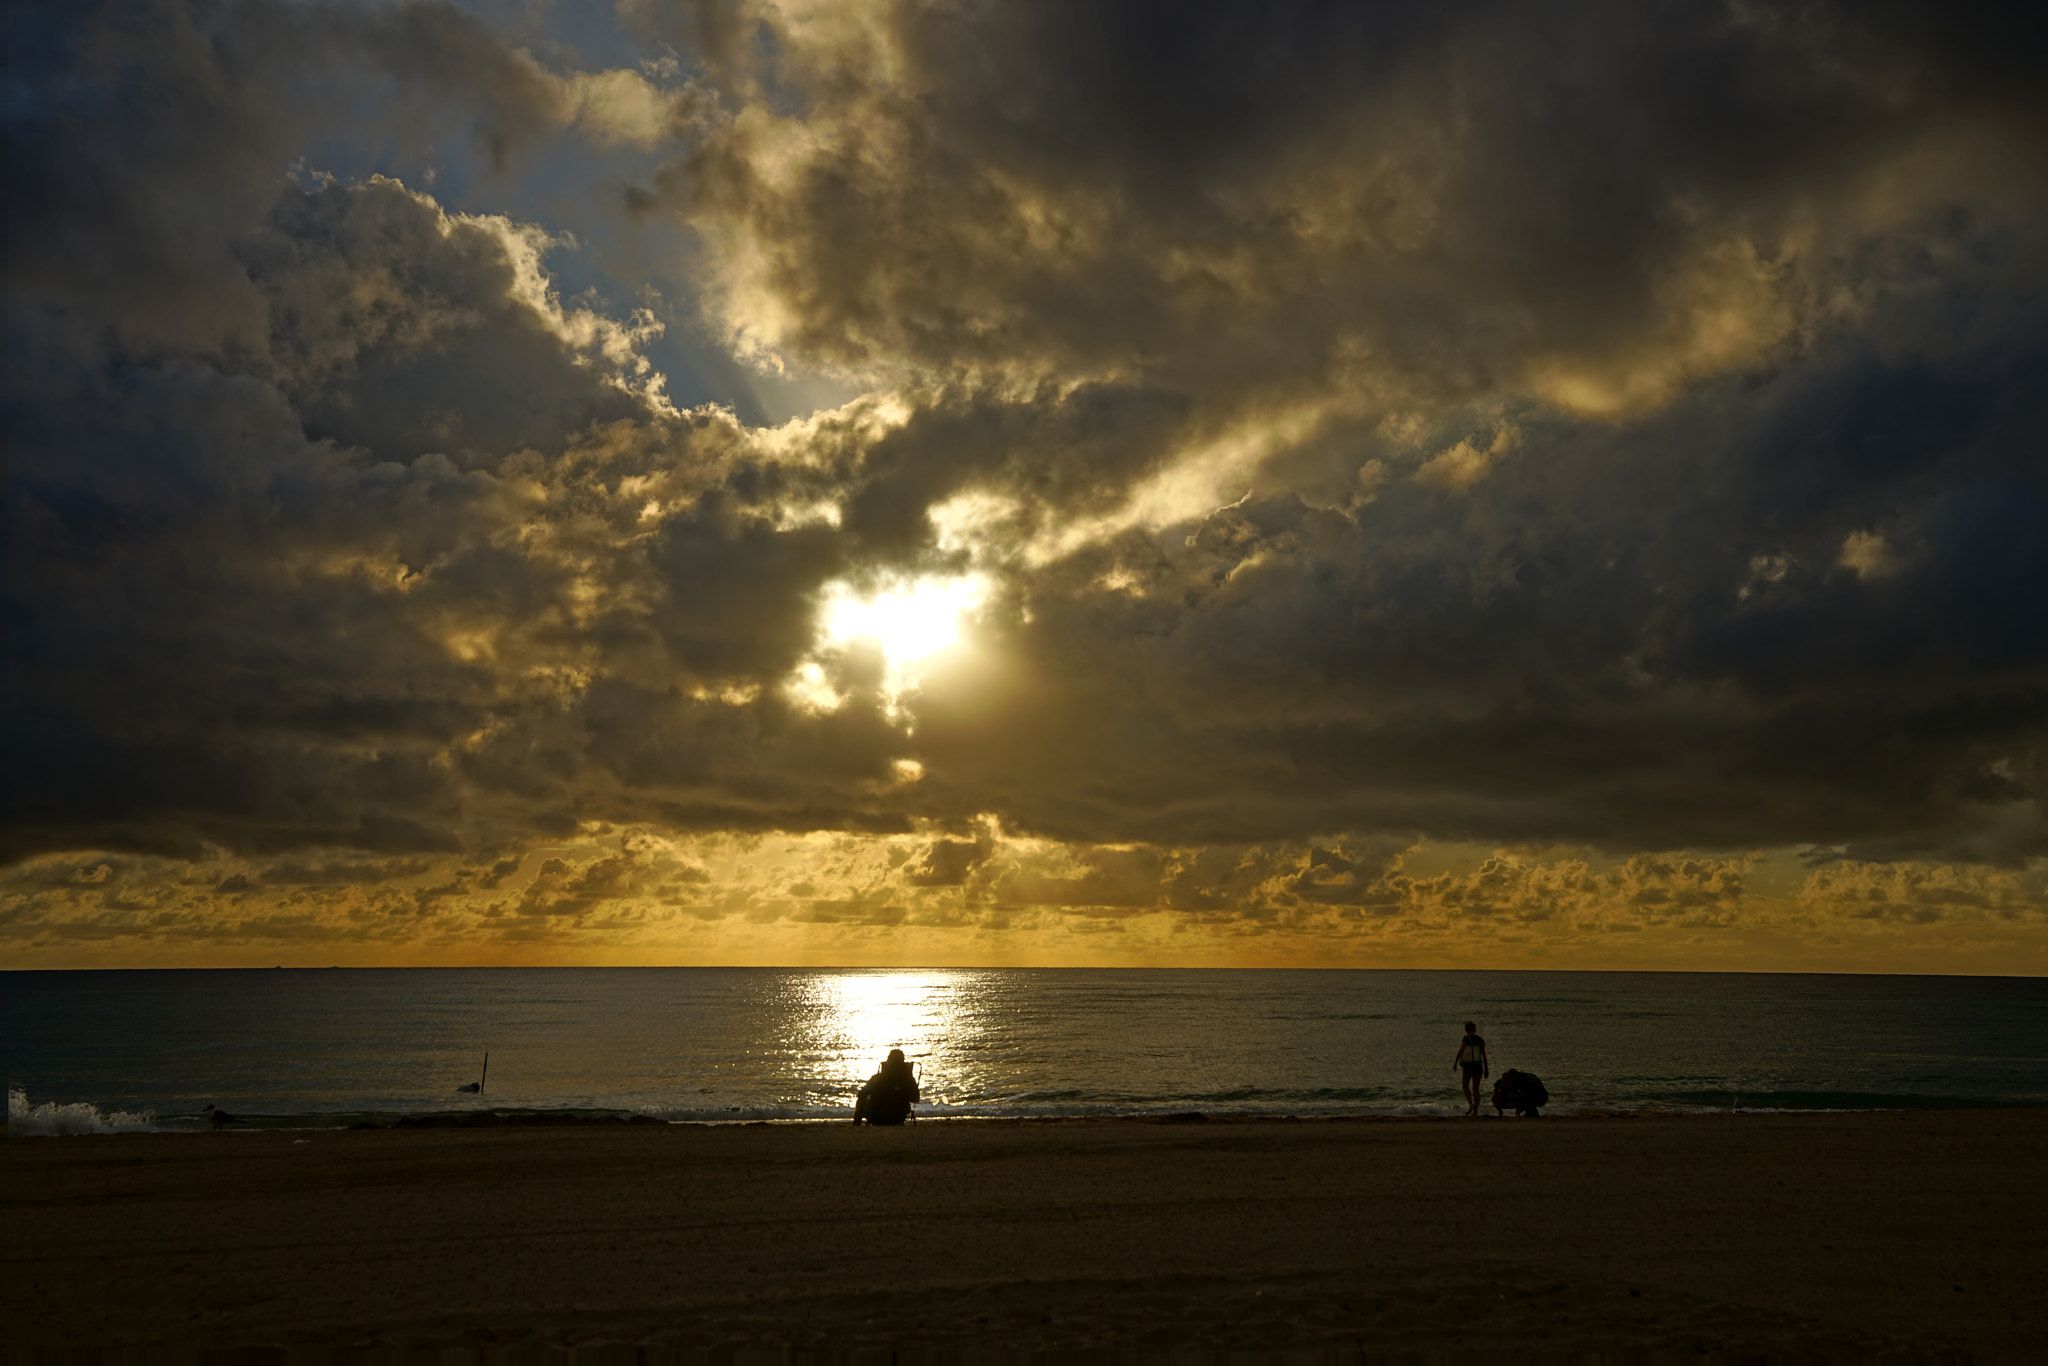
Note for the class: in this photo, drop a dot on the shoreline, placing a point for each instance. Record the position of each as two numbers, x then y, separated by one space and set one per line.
1844 1234
512 1117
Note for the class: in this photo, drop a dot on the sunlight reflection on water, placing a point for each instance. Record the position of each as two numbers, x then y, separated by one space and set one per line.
857 1019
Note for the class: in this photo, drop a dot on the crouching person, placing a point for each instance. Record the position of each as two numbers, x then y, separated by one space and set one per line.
887 1096
1522 1092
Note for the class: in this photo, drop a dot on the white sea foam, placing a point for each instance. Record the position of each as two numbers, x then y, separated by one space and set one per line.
25 1120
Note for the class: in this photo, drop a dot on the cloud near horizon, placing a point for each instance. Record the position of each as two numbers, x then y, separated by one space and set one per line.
1334 483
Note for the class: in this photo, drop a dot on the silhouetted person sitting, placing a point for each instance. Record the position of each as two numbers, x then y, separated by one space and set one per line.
1522 1092
889 1094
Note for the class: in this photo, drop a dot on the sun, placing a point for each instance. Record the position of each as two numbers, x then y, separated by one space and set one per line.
912 620
910 623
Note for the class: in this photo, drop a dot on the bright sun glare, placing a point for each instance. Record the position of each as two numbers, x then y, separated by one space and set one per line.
910 624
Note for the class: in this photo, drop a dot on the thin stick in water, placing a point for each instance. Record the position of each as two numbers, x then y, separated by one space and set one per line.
485 1073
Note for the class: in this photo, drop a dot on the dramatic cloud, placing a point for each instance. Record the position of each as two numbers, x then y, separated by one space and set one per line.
1350 483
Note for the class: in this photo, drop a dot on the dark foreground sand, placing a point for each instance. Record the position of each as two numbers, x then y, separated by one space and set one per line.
1845 1234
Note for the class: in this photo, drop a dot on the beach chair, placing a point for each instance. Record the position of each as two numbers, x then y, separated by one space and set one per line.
886 1105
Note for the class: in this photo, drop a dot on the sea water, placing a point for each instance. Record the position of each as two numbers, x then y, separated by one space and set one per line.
100 1051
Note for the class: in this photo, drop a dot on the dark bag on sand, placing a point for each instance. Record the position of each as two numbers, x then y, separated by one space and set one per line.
1522 1092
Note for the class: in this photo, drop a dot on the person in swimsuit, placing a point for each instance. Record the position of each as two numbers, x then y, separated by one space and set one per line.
1472 1062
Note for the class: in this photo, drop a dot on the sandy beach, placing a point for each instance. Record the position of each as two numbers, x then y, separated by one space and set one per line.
1842 1234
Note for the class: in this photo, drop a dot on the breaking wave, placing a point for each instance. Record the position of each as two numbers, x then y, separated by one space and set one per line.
51 1118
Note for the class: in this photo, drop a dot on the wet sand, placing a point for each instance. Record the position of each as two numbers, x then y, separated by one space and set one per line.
1840 1234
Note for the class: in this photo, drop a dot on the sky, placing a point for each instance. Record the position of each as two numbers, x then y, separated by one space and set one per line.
1063 482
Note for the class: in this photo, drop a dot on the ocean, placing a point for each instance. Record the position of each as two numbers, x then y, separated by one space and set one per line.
92 1052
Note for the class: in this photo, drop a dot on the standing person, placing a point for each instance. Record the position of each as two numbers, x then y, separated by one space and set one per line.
889 1094
1472 1062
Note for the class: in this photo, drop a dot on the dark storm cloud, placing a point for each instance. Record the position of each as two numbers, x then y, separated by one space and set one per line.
1457 197
1583 646
143 137
1673 472
317 522
1612 425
